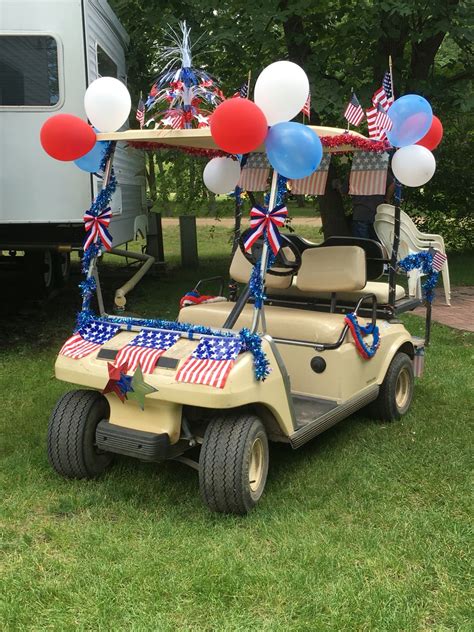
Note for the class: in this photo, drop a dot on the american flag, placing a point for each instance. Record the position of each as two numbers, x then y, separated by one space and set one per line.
368 173
88 339
383 121
145 349
371 115
211 362
439 259
354 113
306 109
255 173
315 184
380 97
243 91
387 86
140 115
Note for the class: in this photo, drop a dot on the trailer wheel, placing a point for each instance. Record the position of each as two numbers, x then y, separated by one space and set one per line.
61 267
396 392
233 464
72 448
39 267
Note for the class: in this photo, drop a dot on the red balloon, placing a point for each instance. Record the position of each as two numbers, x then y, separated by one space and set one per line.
433 136
67 137
238 126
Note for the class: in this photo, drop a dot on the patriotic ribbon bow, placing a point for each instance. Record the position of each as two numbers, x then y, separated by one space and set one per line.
96 226
263 221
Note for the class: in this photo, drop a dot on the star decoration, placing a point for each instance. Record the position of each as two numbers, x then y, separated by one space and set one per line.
119 382
139 388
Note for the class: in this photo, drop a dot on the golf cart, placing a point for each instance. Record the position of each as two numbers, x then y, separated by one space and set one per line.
326 340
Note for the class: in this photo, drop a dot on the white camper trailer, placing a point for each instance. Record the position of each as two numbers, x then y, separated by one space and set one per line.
50 51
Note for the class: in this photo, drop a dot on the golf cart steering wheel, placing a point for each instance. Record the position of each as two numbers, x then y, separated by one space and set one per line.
288 266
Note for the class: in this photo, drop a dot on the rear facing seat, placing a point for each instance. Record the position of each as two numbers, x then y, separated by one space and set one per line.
340 269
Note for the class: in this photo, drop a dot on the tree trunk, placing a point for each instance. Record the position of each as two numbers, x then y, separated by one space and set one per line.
150 175
332 209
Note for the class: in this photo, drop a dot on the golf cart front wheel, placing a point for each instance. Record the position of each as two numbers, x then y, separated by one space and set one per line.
233 464
396 392
72 448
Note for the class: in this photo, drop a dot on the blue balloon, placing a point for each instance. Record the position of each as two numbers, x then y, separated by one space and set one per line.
412 117
91 161
293 149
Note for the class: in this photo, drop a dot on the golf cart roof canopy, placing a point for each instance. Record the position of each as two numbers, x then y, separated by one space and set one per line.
202 139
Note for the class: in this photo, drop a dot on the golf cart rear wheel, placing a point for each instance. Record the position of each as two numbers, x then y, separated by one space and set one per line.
72 449
233 464
396 392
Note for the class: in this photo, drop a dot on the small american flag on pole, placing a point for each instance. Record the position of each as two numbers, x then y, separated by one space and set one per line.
354 113
382 121
243 91
145 349
315 184
368 173
387 86
211 362
88 339
371 114
140 115
255 173
380 97
306 109
439 259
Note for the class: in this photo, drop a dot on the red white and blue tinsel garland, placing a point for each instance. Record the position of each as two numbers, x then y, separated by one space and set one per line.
359 331
422 261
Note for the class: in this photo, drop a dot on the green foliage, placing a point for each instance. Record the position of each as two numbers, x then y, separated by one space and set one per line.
342 44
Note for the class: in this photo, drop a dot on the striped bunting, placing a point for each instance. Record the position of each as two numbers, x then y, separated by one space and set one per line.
145 349
88 339
211 362
368 173
315 184
255 173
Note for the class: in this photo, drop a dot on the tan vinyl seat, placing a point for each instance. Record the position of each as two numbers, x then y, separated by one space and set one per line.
380 290
339 268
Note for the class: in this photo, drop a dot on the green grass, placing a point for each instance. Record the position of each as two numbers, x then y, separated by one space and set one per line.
365 528
225 207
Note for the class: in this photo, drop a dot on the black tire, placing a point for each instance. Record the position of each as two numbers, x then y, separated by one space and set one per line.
61 268
396 392
72 449
226 463
39 269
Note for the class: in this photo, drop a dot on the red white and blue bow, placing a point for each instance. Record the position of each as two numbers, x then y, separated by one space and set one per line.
263 221
96 227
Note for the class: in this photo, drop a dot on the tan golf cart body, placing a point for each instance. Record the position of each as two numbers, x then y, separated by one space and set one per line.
317 377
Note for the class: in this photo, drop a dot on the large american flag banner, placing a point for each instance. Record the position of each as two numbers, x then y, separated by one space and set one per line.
368 173
439 259
315 184
211 362
255 173
88 339
354 113
145 349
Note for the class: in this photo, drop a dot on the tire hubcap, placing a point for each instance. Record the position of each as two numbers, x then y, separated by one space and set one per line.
402 389
256 464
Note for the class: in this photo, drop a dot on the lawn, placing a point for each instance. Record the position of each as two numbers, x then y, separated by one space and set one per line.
365 528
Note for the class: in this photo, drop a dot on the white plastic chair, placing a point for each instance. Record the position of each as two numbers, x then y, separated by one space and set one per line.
416 241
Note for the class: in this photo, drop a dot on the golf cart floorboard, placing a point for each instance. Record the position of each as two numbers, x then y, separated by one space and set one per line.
314 415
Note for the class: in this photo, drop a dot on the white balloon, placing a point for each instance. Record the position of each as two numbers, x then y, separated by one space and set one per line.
107 102
413 165
221 175
281 91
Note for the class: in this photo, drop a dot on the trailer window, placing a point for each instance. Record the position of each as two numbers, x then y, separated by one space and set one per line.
28 70
106 67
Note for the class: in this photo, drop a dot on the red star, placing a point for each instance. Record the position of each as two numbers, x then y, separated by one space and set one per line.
115 374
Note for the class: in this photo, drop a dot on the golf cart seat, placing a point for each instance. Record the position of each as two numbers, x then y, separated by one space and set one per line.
340 268
375 257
